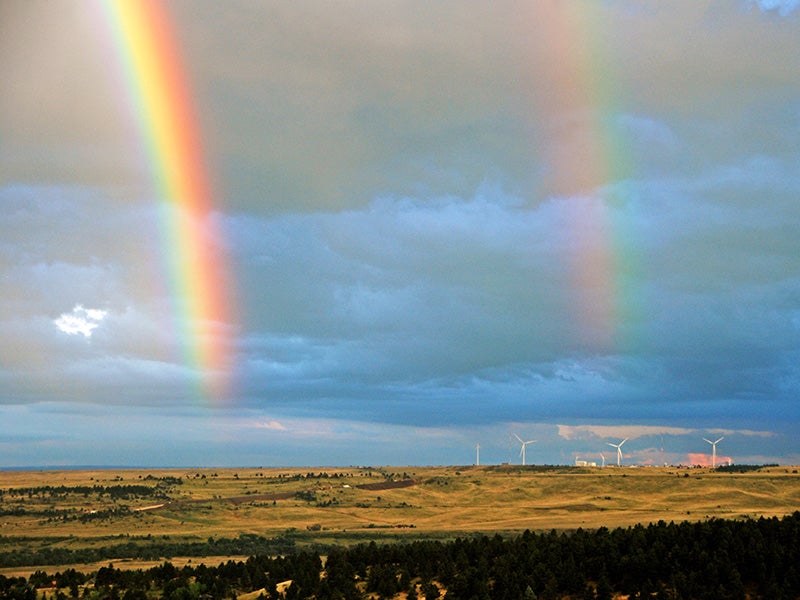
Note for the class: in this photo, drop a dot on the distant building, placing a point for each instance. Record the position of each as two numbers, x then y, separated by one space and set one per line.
585 463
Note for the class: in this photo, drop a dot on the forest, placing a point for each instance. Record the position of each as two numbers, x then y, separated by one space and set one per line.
715 559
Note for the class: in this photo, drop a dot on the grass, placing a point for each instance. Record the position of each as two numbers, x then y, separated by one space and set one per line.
444 502
127 564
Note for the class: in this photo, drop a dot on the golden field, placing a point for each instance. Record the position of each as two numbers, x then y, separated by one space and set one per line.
353 504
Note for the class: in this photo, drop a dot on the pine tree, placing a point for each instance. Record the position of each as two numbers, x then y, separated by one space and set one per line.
604 591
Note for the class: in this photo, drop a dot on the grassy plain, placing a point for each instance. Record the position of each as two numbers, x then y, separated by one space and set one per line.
346 505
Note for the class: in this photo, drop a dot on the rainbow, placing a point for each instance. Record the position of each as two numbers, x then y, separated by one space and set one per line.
169 130
584 152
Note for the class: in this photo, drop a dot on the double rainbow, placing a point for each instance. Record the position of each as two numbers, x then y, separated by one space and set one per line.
168 126
169 129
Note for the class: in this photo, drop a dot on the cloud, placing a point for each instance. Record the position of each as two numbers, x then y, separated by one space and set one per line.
705 460
271 425
424 303
647 131
382 181
585 432
436 289
744 432
299 117
398 271
632 432
81 321
783 7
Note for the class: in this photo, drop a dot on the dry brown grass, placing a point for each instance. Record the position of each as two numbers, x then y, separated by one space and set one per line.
444 501
128 563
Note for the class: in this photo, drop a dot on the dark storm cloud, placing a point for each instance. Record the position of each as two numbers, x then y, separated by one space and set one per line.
407 269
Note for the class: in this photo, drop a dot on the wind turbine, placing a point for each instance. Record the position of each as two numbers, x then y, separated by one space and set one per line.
603 457
477 455
714 450
522 450
619 449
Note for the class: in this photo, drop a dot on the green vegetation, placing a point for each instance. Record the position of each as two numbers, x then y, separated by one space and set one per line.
11 555
715 560
742 468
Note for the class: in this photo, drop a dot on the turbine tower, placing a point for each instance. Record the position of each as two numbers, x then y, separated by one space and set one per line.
714 450
522 449
477 455
619 449
603 458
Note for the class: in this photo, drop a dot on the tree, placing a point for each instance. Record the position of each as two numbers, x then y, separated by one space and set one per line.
604 591
588 592
430 591
383 580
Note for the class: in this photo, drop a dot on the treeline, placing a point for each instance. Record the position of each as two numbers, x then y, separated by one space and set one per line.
532 468
147 548
121 492
716 559
66 514
370 472
743 468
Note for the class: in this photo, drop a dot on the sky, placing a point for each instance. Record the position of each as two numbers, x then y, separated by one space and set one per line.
434 226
